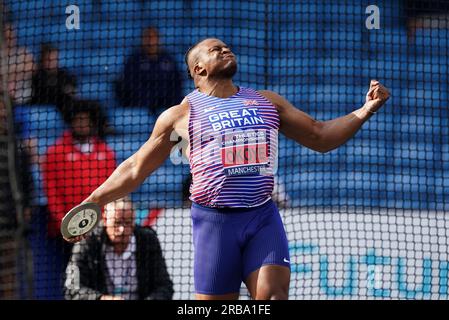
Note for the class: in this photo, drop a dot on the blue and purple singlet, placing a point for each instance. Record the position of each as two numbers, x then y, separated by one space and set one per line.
233 149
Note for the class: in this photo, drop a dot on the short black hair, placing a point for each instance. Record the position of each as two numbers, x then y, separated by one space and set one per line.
90 107
186 56
186 59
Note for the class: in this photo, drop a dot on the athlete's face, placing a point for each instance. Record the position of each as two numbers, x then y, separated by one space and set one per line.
217 59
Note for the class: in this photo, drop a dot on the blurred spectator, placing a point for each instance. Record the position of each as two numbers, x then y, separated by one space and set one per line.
72 168
9 222
20 67
119 261
52 84
150 78
426 14
56 86
101 124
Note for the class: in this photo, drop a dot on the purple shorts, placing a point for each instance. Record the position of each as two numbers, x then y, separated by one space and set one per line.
230 243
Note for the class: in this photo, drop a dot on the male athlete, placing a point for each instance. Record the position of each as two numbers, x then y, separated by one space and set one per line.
231 135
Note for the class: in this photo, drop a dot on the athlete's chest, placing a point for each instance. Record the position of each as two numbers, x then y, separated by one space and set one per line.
234 114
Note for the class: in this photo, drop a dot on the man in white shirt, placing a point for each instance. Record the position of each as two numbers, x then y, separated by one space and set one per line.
119 261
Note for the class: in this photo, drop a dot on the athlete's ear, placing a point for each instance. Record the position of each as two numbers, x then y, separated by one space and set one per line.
199 69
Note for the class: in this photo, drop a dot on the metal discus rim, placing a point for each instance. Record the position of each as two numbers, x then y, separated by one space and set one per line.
73 213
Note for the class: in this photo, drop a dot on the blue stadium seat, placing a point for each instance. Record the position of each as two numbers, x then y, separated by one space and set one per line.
429 69
250 13
164 10
250 76
418 150
213 9
131 120
253 65
168 176
200 32
387 40
164 187
423 125
27 9
108 36
93 35
121 10
291 67
289 11
72 60
339 66
171 36
43 122
30 32
432 75
117 34
123 145
247 37
94 89
445 153
364 149
350 39
433 37
421 98
344 95
360 180
39 117
304 6
105 62
390 68
314 180
414 183
295 40
58 35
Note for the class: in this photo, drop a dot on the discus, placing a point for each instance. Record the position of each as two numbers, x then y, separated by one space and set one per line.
80 220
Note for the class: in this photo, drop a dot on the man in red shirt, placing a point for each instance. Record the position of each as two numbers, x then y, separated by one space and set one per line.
75 165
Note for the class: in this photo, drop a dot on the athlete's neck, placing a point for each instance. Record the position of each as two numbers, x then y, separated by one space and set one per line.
220 88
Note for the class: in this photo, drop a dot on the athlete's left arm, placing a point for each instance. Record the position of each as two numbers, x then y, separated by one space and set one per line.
324 136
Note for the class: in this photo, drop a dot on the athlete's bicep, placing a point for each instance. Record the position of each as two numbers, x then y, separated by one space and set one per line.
295 123
157 148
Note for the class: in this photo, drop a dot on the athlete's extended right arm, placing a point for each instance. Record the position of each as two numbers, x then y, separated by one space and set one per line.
134 170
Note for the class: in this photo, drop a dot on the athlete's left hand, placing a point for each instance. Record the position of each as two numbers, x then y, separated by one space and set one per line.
376 97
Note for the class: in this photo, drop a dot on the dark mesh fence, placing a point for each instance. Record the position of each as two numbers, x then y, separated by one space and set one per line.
368 220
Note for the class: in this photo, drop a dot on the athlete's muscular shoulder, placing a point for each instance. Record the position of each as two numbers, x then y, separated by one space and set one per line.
176 119
278 101
175 115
